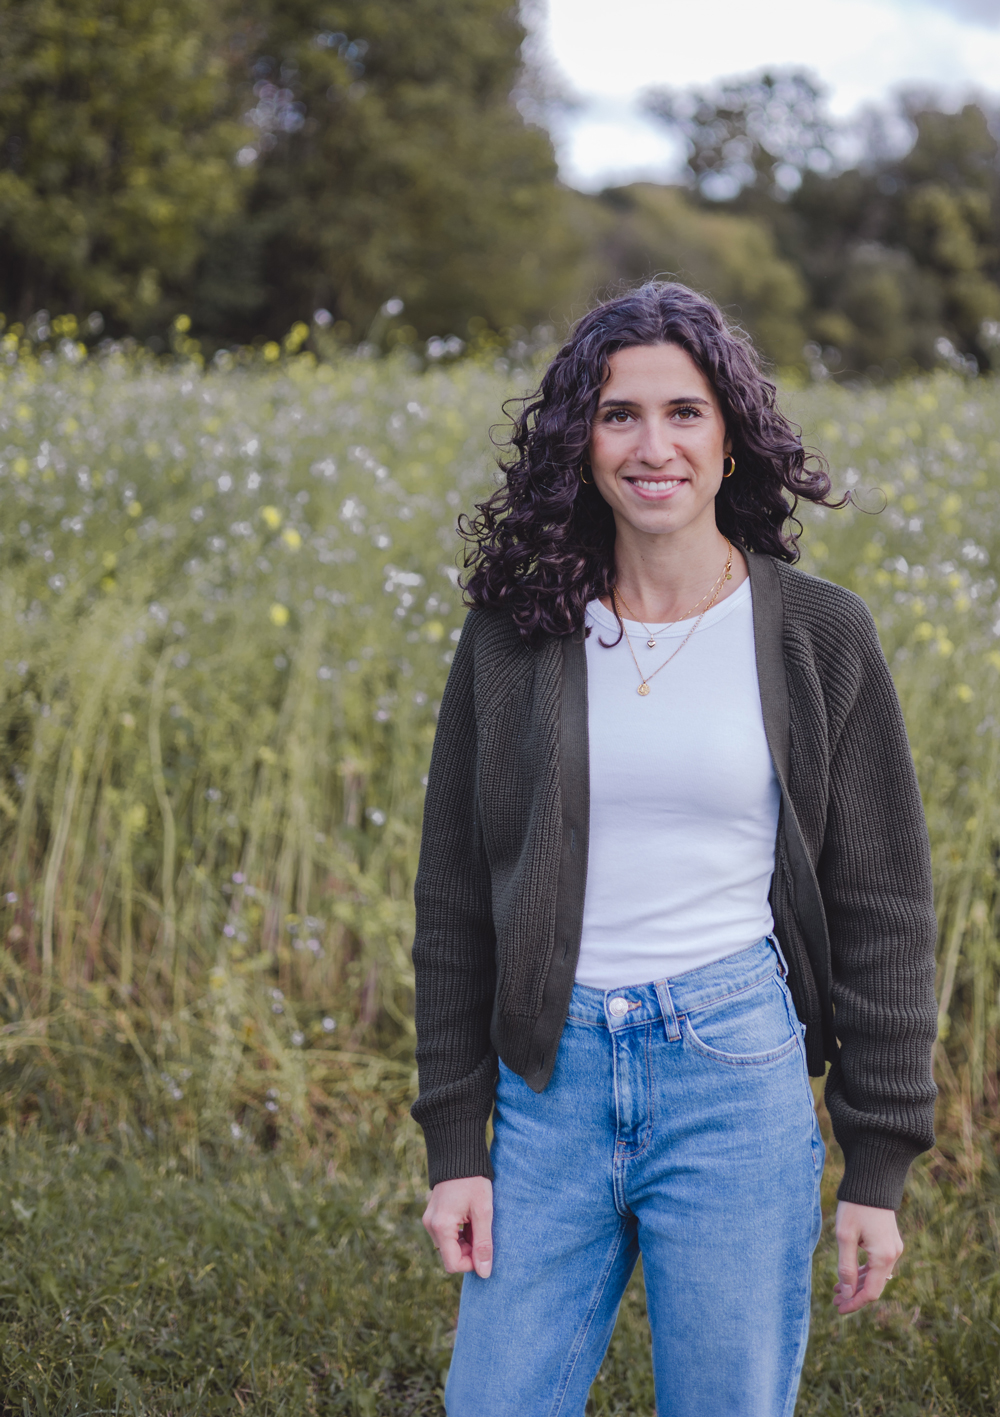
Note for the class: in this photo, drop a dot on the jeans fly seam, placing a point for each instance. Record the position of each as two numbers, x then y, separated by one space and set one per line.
585 1326
624 1153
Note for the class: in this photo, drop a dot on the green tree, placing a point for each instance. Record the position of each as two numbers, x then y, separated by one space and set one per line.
116 148
390 161
898 253
755 135
644 230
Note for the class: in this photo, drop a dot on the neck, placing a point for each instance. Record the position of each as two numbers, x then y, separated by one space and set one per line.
662 577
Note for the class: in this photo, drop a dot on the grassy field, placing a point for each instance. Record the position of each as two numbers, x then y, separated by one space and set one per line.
228 606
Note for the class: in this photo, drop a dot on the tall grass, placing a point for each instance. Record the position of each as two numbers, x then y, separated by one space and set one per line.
228 606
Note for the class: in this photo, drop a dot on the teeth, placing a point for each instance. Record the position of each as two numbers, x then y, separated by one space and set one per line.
660 485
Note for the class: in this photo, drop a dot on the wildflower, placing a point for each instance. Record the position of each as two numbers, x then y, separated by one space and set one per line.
329 1024
271 517
278 614
298 1039
291 538
964 693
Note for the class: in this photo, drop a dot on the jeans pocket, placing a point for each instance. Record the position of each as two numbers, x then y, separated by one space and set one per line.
752 1026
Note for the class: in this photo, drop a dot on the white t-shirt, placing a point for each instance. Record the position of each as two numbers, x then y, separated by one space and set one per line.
683 799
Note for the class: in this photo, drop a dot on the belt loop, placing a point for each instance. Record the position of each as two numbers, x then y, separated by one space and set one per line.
782 962
667 1010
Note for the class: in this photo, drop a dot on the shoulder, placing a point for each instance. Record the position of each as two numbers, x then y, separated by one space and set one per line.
495 660
836 622
491 636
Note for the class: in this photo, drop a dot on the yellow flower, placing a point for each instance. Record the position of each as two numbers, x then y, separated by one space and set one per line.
925 630
272 517
271 351
134 509
434 631
291 538
182 324
964 693
279 614
20 466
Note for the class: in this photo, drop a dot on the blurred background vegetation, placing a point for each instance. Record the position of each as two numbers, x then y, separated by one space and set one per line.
244 164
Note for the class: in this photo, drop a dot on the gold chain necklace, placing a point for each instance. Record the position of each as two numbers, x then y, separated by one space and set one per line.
651 642
644 679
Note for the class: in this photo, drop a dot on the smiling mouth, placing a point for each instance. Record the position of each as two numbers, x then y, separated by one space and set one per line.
658 484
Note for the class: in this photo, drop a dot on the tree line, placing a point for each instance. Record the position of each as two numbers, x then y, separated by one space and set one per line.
246 163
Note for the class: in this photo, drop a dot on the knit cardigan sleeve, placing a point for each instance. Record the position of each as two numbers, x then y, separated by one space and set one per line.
875 878
454 948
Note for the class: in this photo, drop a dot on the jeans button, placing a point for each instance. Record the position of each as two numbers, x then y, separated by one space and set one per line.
617 1007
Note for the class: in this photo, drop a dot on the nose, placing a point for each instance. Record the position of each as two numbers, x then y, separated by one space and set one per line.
655 443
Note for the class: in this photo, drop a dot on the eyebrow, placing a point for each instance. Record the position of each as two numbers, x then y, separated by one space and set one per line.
633 403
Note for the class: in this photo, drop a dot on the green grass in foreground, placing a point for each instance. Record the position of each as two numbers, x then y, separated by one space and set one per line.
260 1283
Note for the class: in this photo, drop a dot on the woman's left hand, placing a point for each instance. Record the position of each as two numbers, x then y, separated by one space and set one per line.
864 1227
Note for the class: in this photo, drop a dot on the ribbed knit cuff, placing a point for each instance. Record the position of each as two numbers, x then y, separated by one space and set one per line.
456 1146
875 1170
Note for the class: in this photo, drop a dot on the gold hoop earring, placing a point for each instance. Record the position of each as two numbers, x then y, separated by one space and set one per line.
732 465
584 480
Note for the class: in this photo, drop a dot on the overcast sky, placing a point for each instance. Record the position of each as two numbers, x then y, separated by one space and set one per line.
607 52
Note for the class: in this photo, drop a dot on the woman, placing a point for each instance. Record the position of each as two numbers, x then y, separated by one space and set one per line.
673 857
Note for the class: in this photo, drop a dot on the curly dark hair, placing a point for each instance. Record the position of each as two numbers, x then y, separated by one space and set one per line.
542 545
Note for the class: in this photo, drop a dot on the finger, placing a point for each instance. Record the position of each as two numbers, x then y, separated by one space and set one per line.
481 1233
447 1233
866 1292
878 1271
847 1262
455 1255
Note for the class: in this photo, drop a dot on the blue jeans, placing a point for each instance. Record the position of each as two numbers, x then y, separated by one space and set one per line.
679 1125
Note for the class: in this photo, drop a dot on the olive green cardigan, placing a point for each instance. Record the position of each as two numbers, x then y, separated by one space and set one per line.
503 869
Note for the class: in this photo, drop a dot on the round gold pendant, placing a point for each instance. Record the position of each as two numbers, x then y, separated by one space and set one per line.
651 644
643 689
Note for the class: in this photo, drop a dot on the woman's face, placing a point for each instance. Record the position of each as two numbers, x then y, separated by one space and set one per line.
658 440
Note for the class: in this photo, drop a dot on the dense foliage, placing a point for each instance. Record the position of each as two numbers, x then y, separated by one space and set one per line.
244 163
250 161
897 250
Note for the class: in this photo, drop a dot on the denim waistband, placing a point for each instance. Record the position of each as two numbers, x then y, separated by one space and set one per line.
671 999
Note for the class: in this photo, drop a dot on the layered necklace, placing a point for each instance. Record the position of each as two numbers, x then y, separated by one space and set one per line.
711 597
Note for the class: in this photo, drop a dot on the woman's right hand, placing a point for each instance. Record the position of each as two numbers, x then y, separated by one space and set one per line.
459 1219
